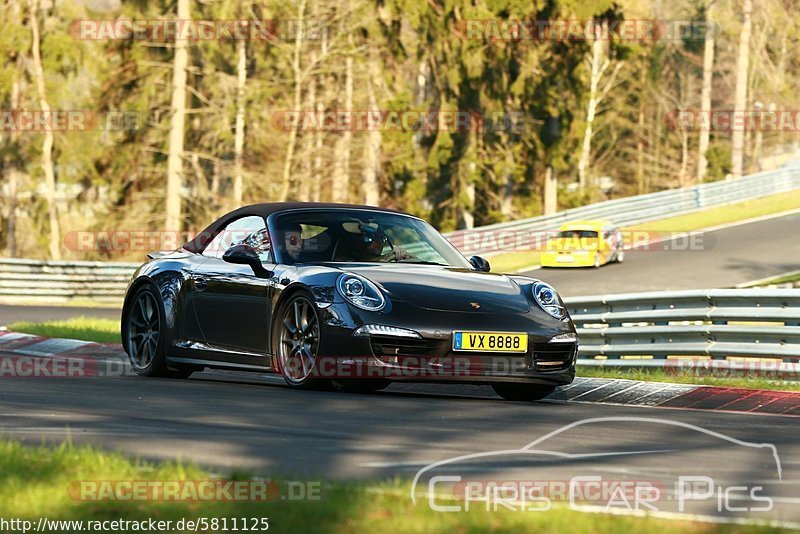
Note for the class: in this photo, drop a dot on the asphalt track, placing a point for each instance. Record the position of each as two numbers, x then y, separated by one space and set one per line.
716 259
228 421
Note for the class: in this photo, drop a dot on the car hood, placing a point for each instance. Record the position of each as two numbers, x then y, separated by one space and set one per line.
447 288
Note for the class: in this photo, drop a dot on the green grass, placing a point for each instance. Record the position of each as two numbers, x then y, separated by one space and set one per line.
34 482
83 328
510 262
780 279
62 302
687 377
514 261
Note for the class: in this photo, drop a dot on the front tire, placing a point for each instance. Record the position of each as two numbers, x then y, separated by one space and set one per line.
144 336
298 337
523 392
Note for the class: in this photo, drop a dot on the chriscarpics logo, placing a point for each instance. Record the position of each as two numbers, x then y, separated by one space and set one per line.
615 464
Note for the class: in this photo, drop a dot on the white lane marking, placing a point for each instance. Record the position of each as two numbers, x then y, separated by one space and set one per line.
623 390
591 390
665 393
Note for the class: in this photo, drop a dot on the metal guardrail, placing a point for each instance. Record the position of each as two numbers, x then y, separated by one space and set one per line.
487 240
720 324
64 280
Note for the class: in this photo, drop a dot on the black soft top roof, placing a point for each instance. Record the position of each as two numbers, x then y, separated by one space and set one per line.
264 210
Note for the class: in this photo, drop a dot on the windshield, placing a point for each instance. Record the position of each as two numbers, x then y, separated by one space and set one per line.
315 236
580 234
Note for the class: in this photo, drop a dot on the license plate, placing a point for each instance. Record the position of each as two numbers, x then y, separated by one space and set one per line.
490 341
564 258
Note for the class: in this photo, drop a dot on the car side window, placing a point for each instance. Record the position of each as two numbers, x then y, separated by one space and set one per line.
244 230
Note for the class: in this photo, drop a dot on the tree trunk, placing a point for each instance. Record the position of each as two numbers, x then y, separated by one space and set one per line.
705 96
465 199
319 96
341 177
286 179
598 64
316 194
47 146
466 218
238 149
640 134
740 103
372 146
550 195
10 164
683 173
172 221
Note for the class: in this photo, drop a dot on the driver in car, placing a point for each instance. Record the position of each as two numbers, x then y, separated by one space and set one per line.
293 241
373 241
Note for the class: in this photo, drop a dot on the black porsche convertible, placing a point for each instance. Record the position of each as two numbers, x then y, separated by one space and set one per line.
353 297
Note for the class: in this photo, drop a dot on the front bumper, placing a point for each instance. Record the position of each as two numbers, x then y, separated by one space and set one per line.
430 358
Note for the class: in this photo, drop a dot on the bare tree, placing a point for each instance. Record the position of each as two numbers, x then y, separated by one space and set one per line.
11 170
341 168
740 103
238 143
599 62
372 146
47 146
176 130
705 96
298 77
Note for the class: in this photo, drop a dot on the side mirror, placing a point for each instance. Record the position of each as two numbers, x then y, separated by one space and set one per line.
246 255
480 264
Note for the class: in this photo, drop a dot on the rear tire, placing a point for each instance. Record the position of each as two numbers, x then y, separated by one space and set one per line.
620 256
522 392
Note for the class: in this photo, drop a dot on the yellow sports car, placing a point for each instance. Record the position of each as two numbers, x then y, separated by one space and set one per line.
584 244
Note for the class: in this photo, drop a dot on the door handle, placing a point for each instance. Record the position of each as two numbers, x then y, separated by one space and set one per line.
200 283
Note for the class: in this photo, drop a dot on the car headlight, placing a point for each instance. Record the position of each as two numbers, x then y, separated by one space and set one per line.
360 292
547 298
